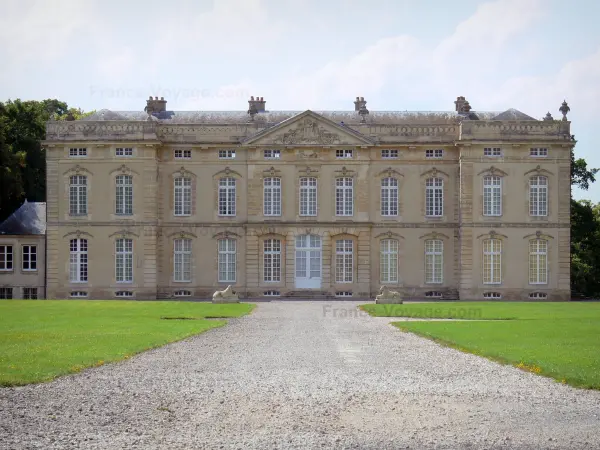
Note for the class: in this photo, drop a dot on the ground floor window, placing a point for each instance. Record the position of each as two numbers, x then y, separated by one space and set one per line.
30 293
6 293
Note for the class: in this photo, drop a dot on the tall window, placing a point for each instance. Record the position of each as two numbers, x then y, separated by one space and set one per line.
272 196
78 261
227 260
124 260
389 261
124 196
492 260
6 257
227 197
343 261
538 196
538 261
272 260
29 259
344 196
389 197
183 196
434 197
434 261
308 196
182 259
492 196
78 195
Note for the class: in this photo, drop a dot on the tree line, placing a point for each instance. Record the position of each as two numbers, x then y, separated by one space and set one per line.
23 176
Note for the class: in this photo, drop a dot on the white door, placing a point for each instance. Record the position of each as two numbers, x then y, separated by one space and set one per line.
308 261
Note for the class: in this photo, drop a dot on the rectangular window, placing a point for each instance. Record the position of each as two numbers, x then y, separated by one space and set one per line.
78 260
492 151
182 293
124 260
434 261
492 196
344 154
30 293
272 154
389 154
389 261
538 196
124 195
272 196
77 152
182 260
227 260
389 197
434 197
272 260
183 196
538 152
123 294
308 196
124 151
78 195
182 154
78 294
226 154
6 257
344 197
434 153
29 259
227 197
538 261
492 254
6 293
343 261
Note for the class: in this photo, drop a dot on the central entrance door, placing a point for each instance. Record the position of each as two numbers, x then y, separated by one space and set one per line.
308 261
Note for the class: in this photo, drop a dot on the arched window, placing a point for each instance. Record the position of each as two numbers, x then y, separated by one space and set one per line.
538 261
538 196
434 197
492 261
389 261
389 197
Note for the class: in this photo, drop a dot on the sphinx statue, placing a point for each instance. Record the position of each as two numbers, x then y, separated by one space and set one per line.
227 295
387 296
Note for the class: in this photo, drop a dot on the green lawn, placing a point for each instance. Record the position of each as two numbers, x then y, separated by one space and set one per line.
559 340
43 339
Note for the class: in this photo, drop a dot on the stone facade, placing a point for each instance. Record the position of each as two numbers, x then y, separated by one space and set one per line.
452 152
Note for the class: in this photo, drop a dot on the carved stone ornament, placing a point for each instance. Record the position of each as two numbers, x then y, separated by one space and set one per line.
434 172
309 154
538 234
227 170
272 171
548 116
77 169
389 234
564 109
228 295
308 231
492 233
492 171
78 234
344 171
308 132
387 296
182 235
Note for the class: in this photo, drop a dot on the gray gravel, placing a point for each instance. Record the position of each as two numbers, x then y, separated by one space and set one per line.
291 375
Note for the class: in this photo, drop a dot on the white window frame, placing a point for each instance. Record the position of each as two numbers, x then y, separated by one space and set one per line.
492 195
29 258
389 154
124 294
78 294
346 153
538 152
227 261
78 152
272 260
78 195
492 152
182 293
272 293
124 195
182 260
124 260
124 152
182 196
226 197
538 295
434 197
272 154
308 196
434 261
538 261
433 294
30 293
7 258
272 196
492 295
344 261
179 153
389 260
344 196
492 261
437 153
78 261
538 196
340 294
389 197
226 154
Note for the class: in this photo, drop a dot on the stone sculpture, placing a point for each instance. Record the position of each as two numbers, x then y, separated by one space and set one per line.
387 296
226 296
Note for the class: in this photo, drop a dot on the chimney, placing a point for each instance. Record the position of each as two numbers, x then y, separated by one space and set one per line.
256 106
154 105
360 104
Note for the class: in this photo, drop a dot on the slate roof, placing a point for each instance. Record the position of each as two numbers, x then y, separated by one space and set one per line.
30 218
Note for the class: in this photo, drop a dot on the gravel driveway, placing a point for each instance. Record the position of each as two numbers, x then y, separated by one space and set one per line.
301 375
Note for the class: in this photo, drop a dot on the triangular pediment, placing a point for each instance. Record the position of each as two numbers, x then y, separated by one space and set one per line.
308 128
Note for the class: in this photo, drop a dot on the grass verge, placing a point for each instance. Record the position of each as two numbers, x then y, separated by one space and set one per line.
40 340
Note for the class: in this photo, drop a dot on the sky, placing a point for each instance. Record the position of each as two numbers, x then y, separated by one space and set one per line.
310 54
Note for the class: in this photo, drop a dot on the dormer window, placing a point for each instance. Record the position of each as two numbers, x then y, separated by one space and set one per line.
77 152
492 152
